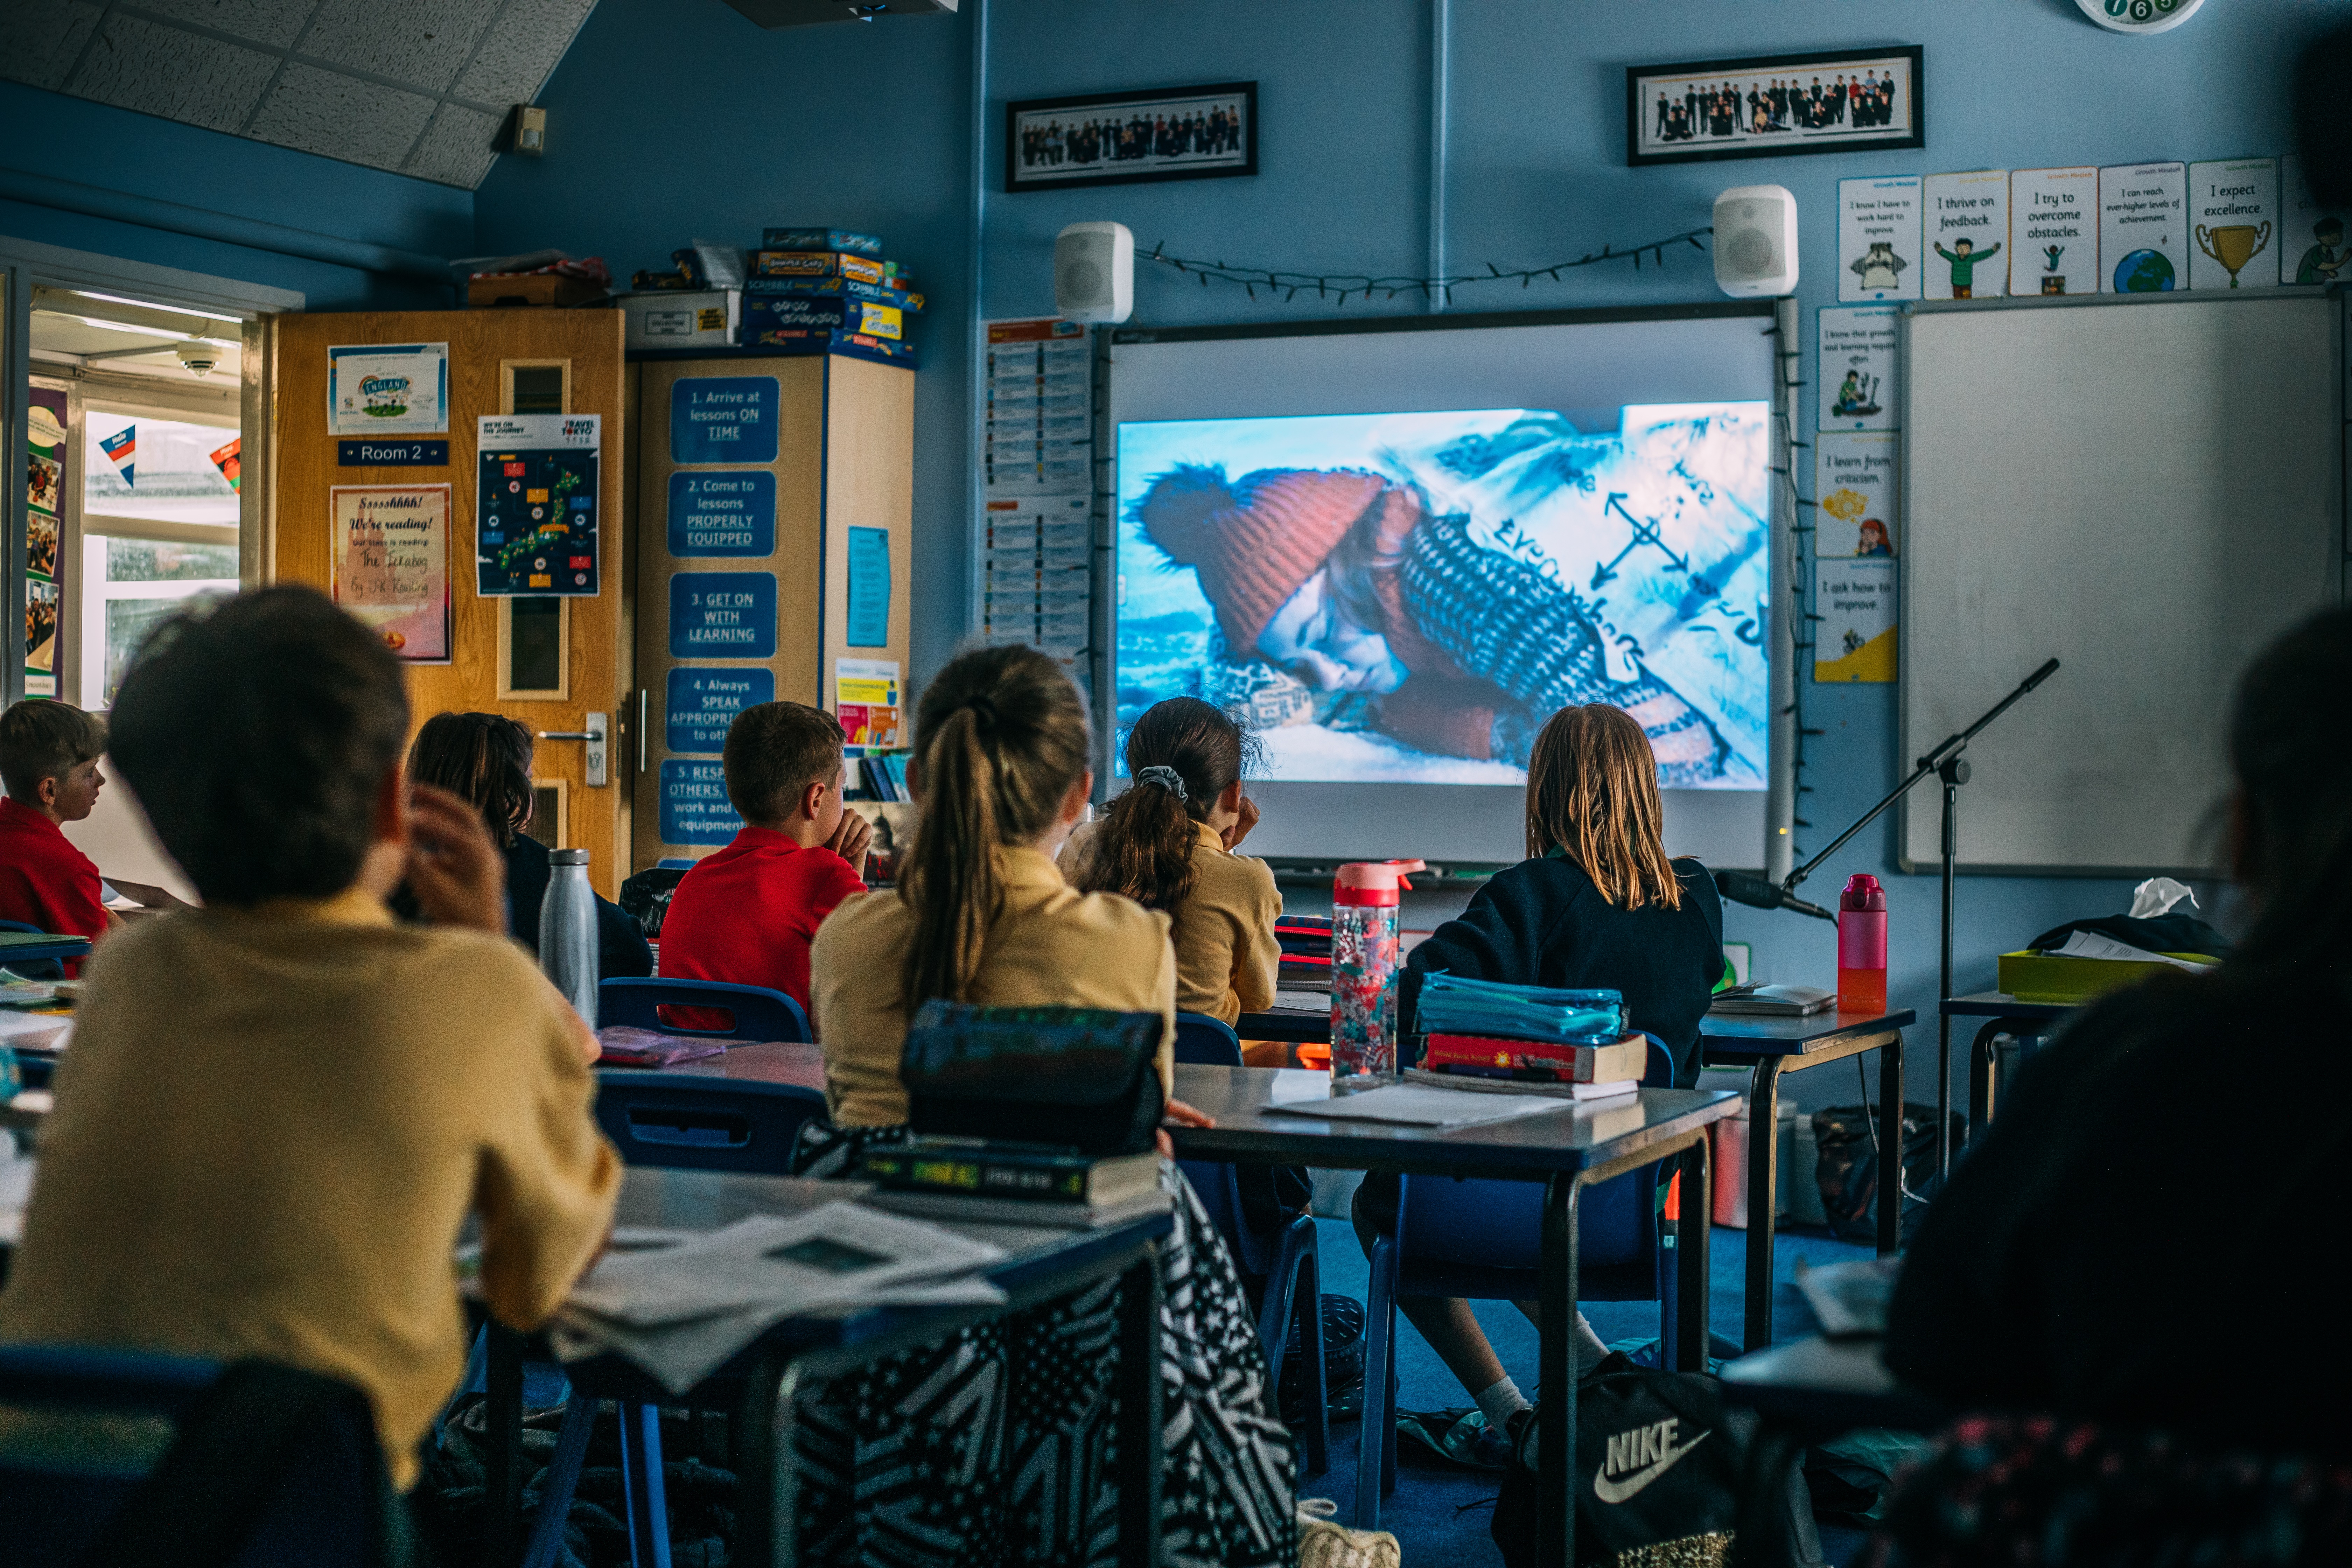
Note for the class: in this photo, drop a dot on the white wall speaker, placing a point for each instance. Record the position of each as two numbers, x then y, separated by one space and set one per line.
1756 241
1094 272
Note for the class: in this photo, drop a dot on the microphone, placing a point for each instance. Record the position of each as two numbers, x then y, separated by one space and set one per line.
1756 893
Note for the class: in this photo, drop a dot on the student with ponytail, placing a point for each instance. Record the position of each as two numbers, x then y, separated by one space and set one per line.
1168 843
981 915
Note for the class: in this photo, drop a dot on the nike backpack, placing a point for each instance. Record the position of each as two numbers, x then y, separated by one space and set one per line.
1659 1457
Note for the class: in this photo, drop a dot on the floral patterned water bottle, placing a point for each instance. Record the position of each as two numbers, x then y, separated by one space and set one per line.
1364 964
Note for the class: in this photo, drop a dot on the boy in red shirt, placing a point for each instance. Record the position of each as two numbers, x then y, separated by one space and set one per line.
49 761
746 915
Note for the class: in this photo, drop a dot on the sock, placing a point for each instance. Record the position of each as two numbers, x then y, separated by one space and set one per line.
1589 1350
1497 1403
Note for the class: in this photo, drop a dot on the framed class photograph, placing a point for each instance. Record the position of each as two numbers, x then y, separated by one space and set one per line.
1131 138
1774 105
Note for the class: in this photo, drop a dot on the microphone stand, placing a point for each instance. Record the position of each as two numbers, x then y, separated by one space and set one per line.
1946 763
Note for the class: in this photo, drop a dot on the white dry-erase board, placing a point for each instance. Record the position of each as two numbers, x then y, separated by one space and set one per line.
2146 488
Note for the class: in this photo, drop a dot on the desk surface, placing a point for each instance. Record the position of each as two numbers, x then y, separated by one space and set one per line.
800 1065
1578 1136
2001 1004
1727 1039
22 946
705 1200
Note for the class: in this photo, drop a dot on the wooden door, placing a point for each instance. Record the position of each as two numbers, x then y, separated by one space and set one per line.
558 664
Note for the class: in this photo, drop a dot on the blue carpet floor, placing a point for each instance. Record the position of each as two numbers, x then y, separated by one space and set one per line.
1440 1515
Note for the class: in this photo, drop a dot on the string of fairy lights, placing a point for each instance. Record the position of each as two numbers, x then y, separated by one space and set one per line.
1339 288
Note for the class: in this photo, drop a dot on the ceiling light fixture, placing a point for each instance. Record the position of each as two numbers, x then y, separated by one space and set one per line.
151 305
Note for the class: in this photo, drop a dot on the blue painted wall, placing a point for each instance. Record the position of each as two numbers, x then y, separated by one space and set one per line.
673 120
95 144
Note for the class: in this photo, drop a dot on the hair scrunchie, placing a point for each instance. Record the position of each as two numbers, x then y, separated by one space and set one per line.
1166 778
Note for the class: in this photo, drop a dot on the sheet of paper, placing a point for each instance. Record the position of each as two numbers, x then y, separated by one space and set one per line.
1860 349
2054 231
1878 238
1416 1105
1857 487
1853 641
2090 944
2234 209
2142 233
1303 1001
1967 235
869 588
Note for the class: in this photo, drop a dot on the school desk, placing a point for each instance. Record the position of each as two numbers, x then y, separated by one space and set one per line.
26 946
1768 1046
2003 1014
1811 1391
760 1383
1567 1150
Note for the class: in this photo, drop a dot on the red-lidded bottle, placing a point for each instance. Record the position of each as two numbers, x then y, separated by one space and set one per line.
1862 945
1364 967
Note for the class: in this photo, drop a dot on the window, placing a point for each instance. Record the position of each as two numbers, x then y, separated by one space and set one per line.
159 525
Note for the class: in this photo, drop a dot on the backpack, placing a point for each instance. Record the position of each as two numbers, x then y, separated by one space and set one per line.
1659 1457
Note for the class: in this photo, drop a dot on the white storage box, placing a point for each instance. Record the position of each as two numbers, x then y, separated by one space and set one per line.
1729 1161
683 318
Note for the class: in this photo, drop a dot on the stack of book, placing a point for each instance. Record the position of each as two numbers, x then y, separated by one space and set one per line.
1306 944
884 775
1009 1184
1574 1043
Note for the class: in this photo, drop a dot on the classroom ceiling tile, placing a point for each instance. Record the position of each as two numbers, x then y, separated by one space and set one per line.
421 42
520 50
274 23
342 117
420 86
181 76
458 147
40 39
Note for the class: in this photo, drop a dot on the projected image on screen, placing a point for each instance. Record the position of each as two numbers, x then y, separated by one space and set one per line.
1408 596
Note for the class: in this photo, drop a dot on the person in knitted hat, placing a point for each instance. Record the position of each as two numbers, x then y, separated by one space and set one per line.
1348 579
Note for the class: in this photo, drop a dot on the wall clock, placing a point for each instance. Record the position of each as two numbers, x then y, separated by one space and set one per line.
2140 15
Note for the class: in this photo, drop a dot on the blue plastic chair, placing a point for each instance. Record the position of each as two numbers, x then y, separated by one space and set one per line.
305 1473
33 968
1284 1266
1483 1240
677 1122
757 1012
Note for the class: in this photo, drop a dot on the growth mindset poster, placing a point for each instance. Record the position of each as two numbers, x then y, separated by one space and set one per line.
1967 235
2143 236
2054 231
1878 238
1859 350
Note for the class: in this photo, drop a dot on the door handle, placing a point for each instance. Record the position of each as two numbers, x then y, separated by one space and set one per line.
597 764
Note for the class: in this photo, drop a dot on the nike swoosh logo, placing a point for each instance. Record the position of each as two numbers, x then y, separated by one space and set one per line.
1618 1490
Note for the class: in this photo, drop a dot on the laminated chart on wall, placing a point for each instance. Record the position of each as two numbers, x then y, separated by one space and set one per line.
1878 238
1854 634
45 456
1860 383
2143 229
722 614
2234 209
723 513
1037 573
699 703
865 690
724 420
2312 252
1857 492
867 624
694 806
2054 231
535 522
1037 425
1965 230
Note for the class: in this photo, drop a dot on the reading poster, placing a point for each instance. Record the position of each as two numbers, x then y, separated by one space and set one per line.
535 506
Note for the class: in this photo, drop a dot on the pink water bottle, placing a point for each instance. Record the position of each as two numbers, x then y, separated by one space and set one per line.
1862 945
1364 967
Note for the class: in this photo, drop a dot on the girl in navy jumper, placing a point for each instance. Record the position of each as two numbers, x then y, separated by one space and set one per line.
1596 903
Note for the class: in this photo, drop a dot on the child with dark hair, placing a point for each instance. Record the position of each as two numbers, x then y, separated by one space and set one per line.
981 915
49 761
280 1108
485 758
1167 843
747 914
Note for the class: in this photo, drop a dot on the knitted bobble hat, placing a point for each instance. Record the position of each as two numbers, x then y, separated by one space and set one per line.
1255 540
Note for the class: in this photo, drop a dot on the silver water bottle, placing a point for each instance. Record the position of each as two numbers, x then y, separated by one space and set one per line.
567 931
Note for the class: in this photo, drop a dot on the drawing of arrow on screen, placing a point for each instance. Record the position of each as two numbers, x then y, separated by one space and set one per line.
1646 531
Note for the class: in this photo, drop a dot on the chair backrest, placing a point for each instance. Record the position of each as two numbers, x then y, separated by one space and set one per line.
259 1463
701 1009
685 1121
1485 1233
1208 1042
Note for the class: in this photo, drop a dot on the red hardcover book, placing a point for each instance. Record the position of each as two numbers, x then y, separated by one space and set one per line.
1625 1058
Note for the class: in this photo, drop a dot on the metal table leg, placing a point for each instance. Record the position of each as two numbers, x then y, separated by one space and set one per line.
1763 1202
501 1543
1693 1269
1984 1069
1556 1435
1137 1472
1890 1146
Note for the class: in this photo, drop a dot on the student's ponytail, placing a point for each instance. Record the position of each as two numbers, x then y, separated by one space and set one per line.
1183 754
1000 738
